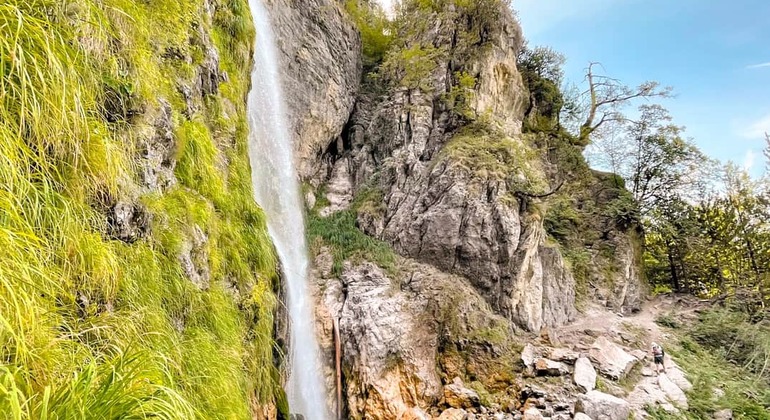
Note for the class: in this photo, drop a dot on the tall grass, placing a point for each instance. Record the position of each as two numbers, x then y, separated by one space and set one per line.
92 327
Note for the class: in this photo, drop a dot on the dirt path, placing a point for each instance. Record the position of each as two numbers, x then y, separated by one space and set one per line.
637 330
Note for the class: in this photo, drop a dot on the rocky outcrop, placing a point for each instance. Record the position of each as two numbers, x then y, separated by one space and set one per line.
321 59
443 210
396 326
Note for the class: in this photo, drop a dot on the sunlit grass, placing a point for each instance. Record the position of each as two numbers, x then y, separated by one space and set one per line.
92 327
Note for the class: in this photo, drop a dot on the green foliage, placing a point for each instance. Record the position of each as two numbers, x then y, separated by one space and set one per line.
668 321
339 232
562 218
376 30
461 95
90 326
412 67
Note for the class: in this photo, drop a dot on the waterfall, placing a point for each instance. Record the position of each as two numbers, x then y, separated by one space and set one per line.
277 191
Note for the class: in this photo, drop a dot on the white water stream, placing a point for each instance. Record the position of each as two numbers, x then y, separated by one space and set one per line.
277 191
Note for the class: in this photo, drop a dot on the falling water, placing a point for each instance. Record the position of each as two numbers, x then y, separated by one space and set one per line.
276 189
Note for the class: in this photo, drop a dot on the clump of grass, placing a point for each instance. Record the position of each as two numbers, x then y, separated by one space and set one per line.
490 154
346 241
667 320
92 327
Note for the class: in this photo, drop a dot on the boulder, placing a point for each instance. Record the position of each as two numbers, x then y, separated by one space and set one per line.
601 406
585 374
648 393
639 354
672 391
528 355
456 395
611 359
453 414
677 376
547 367
725 414
532 413
581 416
415 413
563 355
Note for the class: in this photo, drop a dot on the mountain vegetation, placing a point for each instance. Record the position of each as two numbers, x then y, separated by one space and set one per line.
127 291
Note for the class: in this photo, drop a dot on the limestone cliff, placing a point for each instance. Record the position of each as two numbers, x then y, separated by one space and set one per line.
433 166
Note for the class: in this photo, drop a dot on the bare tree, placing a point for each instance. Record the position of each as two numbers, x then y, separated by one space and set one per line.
605 98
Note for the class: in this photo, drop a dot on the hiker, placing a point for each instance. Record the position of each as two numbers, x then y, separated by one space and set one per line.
657 356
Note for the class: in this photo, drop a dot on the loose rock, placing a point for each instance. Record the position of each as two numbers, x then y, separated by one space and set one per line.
546 367
458 396
585 374
601 406
611 359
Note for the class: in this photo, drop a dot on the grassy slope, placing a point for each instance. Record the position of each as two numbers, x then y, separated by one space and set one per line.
723 351
92 327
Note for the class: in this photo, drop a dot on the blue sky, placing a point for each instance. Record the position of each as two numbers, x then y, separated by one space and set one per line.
715 53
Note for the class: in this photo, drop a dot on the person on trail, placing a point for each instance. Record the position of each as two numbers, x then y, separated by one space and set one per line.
657 356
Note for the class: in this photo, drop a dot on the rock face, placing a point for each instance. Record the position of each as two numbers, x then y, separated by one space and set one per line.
393 324
585 374
438 208
321 57
600 406
454 188
611 359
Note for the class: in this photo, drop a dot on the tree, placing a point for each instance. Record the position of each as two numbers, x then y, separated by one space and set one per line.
652 156
604 99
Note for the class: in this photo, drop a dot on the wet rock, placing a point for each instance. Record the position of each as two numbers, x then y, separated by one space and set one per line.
339 190
584 375
194 259
611 360
601 406
157 148
546 367
458 396
320 52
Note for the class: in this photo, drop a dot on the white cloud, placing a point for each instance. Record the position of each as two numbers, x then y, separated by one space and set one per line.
757 129
758 66
749 160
